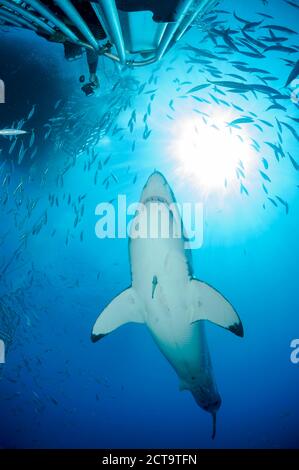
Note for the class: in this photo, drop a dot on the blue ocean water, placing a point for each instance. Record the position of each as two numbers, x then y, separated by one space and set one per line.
57 389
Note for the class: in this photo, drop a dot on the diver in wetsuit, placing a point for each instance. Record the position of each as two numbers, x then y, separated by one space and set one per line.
92 61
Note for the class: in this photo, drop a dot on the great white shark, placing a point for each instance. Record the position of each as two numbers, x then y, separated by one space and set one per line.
169 300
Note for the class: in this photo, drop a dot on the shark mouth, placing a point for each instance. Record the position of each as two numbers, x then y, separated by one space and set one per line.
156 199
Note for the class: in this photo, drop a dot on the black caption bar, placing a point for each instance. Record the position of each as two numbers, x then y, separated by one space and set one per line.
135 458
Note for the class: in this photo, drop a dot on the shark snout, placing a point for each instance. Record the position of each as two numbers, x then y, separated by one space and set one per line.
156 178
157 189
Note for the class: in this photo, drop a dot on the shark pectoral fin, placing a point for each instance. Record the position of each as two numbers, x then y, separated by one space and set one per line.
208 304
125 308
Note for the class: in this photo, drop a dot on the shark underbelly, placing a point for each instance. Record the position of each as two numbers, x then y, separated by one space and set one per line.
183 349
166 306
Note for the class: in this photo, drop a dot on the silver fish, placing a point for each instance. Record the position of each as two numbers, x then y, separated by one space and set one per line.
8 132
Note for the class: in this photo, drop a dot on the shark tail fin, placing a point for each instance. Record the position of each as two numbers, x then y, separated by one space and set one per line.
208 304
214 416
124 308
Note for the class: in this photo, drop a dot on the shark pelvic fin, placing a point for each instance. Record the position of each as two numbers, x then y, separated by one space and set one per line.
208 304
125 308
